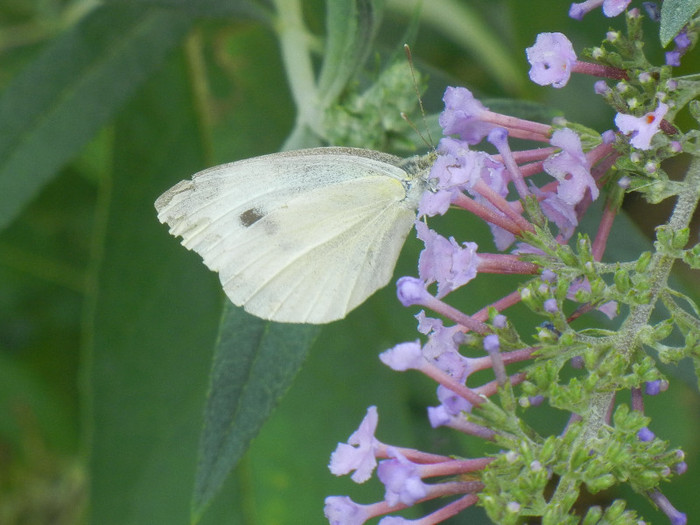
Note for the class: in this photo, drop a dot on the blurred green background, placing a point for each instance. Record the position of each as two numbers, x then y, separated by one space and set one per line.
107 324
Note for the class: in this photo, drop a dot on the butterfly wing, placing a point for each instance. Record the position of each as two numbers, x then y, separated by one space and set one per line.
303 236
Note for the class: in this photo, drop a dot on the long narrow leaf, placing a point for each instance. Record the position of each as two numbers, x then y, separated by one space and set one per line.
72 89
254 365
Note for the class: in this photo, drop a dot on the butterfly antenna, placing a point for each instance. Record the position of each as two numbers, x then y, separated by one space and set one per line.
415 128
428 142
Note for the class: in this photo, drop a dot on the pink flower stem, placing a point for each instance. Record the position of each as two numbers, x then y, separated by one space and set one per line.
503 205
598 70
500 305
412 454
438 306
491 387
449 510
604 228
513 124
434 491
454 467
381 508
472 429
527 135
637 400
604 165
500 141
530 155
515 356
489 215
448 382
532 168
599 152
505 264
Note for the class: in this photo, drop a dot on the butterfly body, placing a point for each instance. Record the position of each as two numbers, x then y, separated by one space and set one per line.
302 236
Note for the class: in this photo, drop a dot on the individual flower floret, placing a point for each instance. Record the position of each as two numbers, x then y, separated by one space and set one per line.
552 58
642 128
411 290
401 478
342 510
462 115
358 453
442 348
468 118
404 356
558 211
444 261
452 403
492 343
676 517
551 306
645 434
609 309
654 388
570 167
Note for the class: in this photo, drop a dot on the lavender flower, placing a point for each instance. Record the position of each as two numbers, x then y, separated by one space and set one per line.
401 479
462 116
551 58
358 453
341 510
642 128
444 261
571 168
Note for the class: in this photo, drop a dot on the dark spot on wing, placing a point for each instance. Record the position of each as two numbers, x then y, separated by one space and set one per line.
250 217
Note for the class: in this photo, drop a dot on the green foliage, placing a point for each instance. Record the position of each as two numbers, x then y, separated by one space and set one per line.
112 382
254 364
674 15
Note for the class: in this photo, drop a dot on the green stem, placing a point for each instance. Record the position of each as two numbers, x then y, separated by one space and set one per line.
296 57
628 339
658 273
201 98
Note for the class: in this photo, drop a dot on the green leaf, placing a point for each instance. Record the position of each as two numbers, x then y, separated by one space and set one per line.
254 365
286 472
26 401
674 15
204 7
153 324
56 105
350 30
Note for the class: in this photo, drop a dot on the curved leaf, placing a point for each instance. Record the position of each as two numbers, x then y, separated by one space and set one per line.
674 15
255 362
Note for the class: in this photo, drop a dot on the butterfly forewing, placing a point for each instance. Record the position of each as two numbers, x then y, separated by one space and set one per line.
301 236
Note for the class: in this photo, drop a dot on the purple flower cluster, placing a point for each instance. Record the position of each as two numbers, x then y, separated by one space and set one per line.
479 182
611 8
495 188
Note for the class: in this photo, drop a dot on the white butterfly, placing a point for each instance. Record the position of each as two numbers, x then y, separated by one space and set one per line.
301 236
